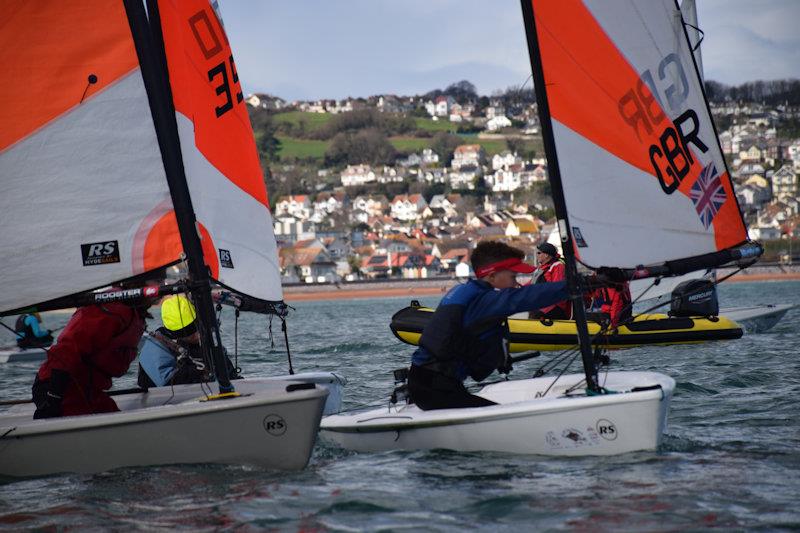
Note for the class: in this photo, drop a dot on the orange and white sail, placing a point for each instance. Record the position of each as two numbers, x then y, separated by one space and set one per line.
220 159
85 201
642 173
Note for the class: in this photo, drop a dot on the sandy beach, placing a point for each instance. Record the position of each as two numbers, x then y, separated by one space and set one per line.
417 288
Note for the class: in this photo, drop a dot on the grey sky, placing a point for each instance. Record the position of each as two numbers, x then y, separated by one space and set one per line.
308 49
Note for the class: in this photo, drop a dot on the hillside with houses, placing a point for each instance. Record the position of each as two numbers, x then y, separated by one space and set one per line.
403 187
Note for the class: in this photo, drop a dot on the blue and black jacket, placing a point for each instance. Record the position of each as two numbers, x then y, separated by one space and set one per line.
465 336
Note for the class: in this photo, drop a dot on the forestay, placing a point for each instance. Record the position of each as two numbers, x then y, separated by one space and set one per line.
85 201
642 171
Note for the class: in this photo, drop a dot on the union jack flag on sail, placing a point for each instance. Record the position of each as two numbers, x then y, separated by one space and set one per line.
708 194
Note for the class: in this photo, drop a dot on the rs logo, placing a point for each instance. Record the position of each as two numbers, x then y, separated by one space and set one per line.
275 425
100 249
606 429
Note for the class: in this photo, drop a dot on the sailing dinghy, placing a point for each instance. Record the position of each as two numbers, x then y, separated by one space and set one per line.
640 188
125 140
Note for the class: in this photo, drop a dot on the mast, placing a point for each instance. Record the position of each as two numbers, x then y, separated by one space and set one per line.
554 174
150 50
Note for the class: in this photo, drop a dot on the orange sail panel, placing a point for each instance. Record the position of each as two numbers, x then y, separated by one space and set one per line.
47 69
205 87
642 171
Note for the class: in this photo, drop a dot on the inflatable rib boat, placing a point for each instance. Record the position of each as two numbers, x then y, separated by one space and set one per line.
548 335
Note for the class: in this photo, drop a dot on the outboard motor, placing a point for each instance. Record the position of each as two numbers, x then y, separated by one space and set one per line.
697 297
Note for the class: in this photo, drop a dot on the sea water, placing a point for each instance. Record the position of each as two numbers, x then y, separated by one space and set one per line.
730 458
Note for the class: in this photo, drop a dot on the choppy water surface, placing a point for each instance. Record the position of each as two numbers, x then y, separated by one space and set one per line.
730 459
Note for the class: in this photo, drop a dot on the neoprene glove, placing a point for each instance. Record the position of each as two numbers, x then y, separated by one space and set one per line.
52 407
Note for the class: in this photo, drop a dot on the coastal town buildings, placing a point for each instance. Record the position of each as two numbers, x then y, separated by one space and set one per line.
420 216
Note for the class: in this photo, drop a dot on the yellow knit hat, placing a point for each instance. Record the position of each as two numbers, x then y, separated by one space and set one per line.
178 314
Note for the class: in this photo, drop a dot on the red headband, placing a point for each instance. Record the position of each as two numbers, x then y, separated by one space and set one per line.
505 264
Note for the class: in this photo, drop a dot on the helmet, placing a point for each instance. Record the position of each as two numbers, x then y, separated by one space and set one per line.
178 315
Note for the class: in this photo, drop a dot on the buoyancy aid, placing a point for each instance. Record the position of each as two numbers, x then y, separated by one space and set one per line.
23 329
456 349
547 270
549 273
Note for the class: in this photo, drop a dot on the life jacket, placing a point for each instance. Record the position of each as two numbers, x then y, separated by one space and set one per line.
160 365
157 361
545 276
452 345
544 272
607 295
22 329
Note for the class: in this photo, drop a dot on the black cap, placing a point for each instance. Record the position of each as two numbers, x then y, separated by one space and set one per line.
547 248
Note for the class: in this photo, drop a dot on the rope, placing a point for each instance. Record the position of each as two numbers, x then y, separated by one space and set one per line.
286 339
236 341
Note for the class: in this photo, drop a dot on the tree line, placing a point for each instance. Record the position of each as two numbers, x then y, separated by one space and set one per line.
773 92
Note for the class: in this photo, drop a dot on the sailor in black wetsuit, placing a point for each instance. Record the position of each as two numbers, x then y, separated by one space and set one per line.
465 336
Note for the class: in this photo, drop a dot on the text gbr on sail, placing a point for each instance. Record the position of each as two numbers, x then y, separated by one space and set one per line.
642 108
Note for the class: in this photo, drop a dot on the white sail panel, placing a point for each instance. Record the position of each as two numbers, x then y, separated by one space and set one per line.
618 224
75 195
643 176
240 227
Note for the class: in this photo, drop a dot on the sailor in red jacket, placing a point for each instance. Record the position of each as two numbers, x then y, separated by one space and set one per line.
551 268
99 343
615 301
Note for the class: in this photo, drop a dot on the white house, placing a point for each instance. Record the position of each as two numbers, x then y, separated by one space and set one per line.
497 123
504 179
505 159
429 157
374 205
298 206
408 206
784 183
467 155
355 175
464 177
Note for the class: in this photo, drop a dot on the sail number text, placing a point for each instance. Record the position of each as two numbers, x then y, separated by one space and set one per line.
642 109
211 45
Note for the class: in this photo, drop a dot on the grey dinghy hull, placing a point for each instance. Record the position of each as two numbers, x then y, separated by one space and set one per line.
270 425
757 318
556 424
13 354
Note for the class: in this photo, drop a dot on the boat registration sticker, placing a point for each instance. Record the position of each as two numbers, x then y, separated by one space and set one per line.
571 438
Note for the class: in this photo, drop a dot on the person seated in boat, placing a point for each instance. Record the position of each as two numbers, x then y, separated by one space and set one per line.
98 343
465 335
551 268
30 333
172 355
613 300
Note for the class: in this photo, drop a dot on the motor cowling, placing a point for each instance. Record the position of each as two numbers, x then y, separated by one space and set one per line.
697 297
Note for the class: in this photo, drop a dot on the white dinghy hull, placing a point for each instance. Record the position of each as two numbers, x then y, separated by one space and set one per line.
556 424
269 425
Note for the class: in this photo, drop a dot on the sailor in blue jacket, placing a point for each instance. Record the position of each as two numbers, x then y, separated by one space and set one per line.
465 335
30 334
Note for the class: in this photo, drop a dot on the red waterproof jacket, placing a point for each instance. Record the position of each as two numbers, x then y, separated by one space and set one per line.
98 343
616 303
554 271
